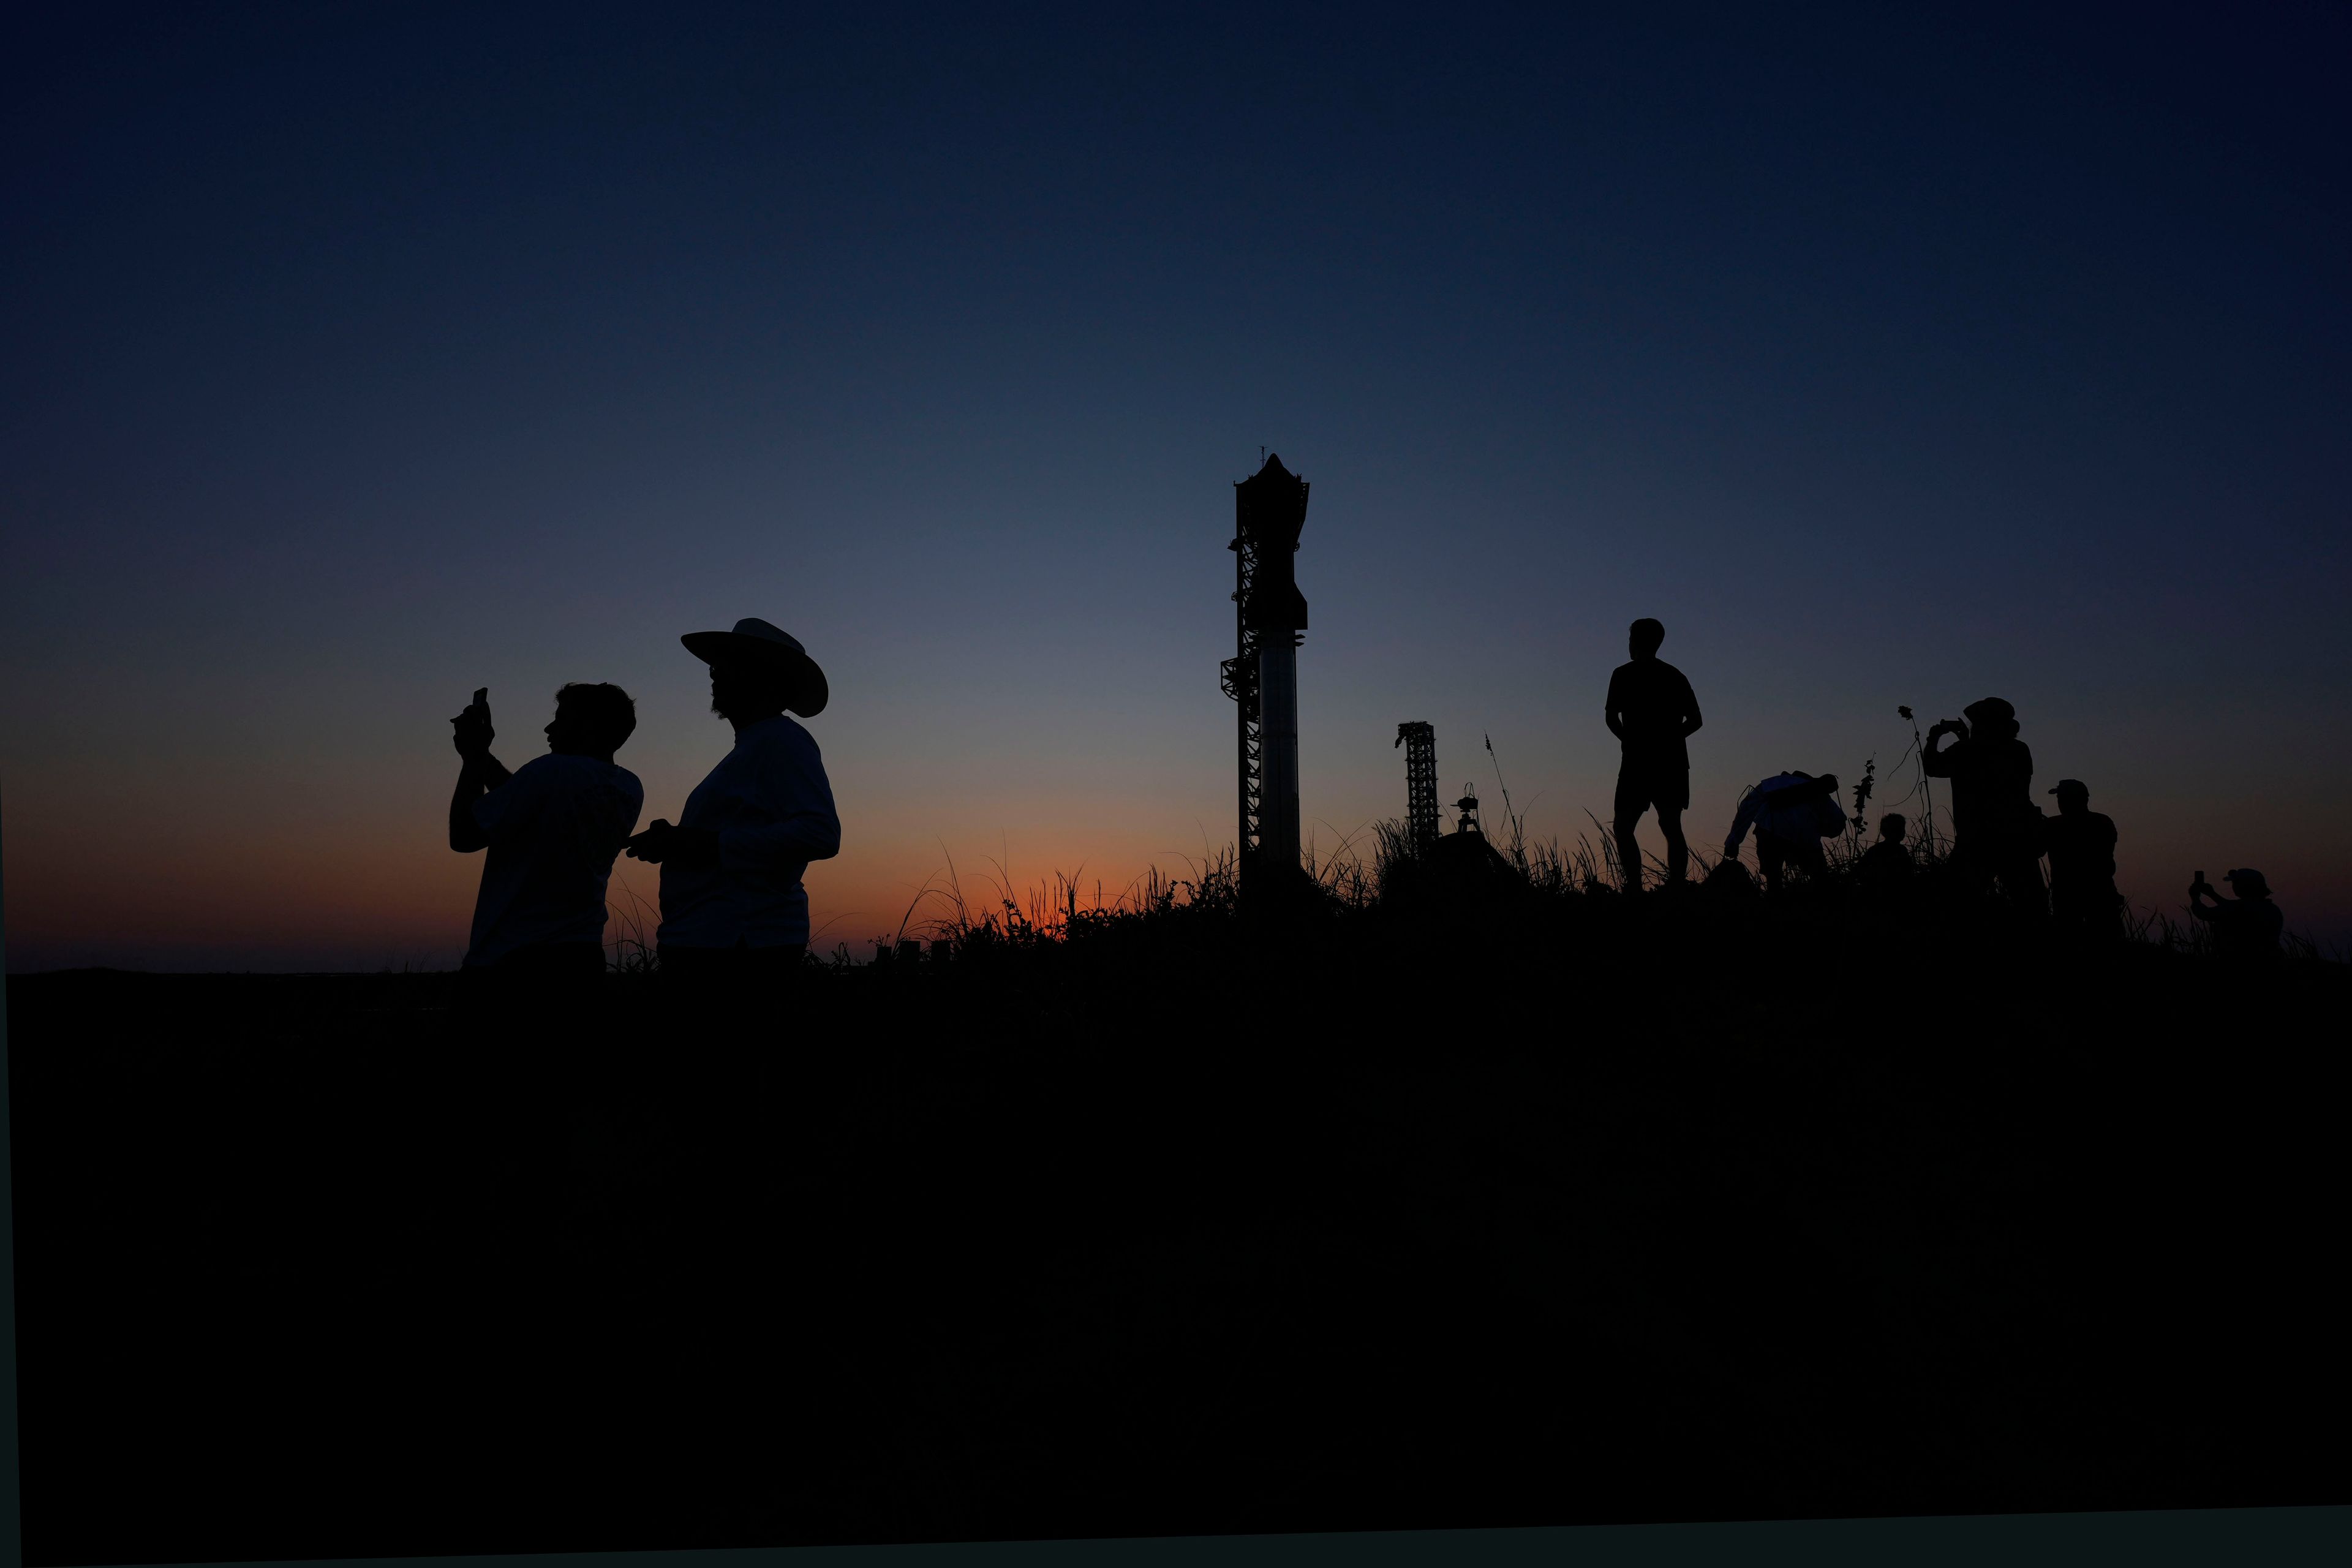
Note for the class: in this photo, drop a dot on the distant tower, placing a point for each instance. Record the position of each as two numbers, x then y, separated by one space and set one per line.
1269 511
1420 743
1468 807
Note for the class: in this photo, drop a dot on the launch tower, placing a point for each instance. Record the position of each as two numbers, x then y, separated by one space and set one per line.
1420 743
1269 512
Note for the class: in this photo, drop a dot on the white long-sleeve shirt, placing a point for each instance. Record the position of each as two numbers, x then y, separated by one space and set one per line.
769 804
1814 818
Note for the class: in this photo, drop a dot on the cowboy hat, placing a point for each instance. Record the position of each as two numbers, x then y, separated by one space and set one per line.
1987 711
755 642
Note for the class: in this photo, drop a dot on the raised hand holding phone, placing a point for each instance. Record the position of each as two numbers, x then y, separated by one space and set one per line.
473 726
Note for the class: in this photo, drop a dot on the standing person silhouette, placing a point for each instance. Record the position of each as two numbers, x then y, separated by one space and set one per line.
734 914
761 1123
1996 826
2081 846
535 964
1651 711
552 828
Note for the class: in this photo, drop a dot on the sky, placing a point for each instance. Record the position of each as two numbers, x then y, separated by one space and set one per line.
352 358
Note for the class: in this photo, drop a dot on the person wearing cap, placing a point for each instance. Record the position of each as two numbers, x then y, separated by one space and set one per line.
733 912
2082 848
552 828
2246 927
1652 712
1791 813
1996 826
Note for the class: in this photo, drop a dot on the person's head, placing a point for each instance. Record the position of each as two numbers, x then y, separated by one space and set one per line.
2074 795
1644 636
758 671
1891 828
591 721
2248 883
1990 720
744 689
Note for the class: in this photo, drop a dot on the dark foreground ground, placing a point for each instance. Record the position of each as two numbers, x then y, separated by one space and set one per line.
1631 1219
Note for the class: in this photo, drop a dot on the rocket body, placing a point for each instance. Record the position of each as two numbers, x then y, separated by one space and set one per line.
1279 784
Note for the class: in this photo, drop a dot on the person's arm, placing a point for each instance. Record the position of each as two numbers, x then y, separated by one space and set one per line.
477 772
806 827
1690 710
1613 712
476 778
1748 804
1934 762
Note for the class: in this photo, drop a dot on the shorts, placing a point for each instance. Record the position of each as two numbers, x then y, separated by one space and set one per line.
1640 787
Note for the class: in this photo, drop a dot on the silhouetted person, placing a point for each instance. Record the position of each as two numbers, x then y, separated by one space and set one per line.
2081 847
1996 828
734 914
1651 711
1886 865
2246 927
552 828
1792 813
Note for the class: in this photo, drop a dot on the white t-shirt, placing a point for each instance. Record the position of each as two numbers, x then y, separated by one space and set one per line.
554 828
769 804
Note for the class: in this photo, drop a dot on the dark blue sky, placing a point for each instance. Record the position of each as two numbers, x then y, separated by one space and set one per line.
352 362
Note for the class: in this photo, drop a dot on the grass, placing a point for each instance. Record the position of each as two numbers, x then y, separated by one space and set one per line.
1402 1204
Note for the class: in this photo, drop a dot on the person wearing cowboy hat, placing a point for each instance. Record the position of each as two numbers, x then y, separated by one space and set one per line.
732 906
2081 847
2246 927
1996 826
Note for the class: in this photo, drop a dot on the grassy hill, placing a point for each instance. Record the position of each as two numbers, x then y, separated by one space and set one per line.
1472 1204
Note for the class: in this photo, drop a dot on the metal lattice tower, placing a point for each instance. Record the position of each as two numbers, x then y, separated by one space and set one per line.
1269 614
1420 743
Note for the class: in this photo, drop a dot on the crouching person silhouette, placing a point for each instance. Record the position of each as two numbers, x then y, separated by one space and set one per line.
1792 813
1886 867
552 828
735 923
2246 929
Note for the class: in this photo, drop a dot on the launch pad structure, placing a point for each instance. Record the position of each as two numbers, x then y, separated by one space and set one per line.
1418 740
1269 614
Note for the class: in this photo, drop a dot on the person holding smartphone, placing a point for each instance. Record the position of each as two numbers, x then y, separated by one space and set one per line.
1996 828
554 828
2246 928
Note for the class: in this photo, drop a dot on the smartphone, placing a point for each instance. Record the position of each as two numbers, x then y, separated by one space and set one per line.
2200 875
481 696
